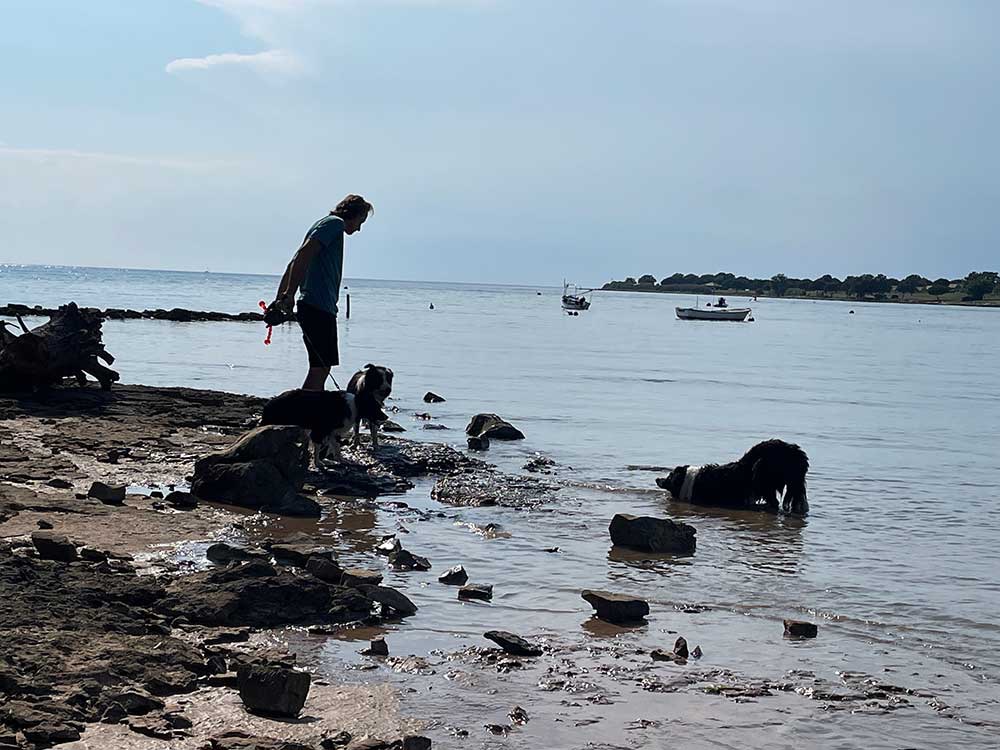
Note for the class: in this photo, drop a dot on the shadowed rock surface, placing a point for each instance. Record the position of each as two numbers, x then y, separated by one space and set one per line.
650 534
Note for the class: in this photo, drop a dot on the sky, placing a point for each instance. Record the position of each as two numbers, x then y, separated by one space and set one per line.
507 141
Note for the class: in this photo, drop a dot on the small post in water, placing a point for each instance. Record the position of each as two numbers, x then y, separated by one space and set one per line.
348 302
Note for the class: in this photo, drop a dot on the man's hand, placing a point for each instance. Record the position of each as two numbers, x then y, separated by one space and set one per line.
279 311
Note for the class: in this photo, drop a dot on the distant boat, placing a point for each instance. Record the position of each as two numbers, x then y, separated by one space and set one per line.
736 314
573 299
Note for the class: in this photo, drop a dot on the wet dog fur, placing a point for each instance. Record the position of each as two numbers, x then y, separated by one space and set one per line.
328 415
770 470
370 387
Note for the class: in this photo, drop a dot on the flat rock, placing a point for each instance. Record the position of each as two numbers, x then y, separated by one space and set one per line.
273 691
223 553
616 608
405 560
52 546
494 427
390 426
480 591
236 740
650 534
358 577
455 576
181 500
512 644
107 494
800 629
60 484
300 554
432 398
325 569
377 647
396 601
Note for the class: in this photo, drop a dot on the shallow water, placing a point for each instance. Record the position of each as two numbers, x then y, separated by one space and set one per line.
896 405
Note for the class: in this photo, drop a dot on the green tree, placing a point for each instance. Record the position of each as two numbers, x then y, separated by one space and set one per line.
779 285
937 289
911 283
980 283
630 281
647 279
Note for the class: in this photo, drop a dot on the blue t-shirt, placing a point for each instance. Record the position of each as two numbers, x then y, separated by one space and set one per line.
321 287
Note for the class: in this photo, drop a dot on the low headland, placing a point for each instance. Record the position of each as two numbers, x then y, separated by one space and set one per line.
977 289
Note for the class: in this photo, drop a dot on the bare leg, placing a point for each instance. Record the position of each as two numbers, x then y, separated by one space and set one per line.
316 379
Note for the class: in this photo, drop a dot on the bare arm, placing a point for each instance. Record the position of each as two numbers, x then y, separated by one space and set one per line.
296 272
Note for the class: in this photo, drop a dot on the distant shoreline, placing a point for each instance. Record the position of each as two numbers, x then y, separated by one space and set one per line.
916 299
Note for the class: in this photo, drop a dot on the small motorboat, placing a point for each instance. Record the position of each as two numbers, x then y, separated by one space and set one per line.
735 314
573 300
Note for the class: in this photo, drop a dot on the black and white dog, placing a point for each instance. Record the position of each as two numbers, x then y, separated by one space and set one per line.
328 415
756 481
370 388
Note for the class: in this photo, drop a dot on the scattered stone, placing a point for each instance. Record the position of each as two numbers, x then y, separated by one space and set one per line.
658 654
377 647
651 534
358 577
236 740
107 494
60 484
518 716
43 524
480 591
222 553
432 398
50 733
114 714
455 576
52 546
422 415
325 570
273 691
800 629
681 647
136 702
616 608
488 486
339 740
406 560
390 426
395 600
93 555
180 500
512 644
696 652
436 427
540 465
494 427
156 727
157 494
300 554
478 443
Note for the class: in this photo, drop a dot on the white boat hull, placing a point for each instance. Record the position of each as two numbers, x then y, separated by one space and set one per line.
734 314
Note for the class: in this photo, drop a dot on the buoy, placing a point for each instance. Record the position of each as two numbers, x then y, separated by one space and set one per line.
432 306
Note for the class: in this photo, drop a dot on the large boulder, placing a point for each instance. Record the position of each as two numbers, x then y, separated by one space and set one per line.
263 470
616 608
52 546
273 691
494 427
651 534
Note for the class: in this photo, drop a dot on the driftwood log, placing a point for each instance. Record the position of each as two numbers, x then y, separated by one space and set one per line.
69 345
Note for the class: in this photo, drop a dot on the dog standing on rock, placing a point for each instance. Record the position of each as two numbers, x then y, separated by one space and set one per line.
768 471
370 388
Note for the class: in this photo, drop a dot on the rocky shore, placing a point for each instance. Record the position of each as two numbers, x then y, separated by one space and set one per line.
176 314
107 638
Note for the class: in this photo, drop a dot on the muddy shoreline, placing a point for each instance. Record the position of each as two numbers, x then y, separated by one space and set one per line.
143 618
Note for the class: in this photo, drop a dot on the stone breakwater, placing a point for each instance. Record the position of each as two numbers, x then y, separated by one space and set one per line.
177 314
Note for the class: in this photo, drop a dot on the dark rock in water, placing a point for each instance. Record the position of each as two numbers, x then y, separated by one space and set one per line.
435 427
107 494
60 484
432 398
181 500
616 608
406 560
518 716
358 577
512 644
660 655
263 470
273 691
236 740
396 601
681 647
349 605
300 554
377 647
388 546
539 465
494 427
481 591
157 494
652 534
483 487
696 652
51 546
222 553
455 576
325 570
390 426
43 524
800 629
478 443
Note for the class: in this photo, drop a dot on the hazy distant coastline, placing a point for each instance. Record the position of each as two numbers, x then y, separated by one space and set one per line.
977 289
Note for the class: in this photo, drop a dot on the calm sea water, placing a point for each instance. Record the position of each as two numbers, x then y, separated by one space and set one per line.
897 406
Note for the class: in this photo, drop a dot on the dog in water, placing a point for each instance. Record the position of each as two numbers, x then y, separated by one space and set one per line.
767 471
370 388
328 415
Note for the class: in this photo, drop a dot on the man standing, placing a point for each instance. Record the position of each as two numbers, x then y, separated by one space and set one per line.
315 272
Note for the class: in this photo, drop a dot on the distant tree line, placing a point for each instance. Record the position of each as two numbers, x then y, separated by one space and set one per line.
976 286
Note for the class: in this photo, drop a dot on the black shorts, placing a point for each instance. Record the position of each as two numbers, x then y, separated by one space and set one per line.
319 332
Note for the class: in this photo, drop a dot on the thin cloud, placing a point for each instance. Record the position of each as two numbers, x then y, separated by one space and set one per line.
56 155
272 61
